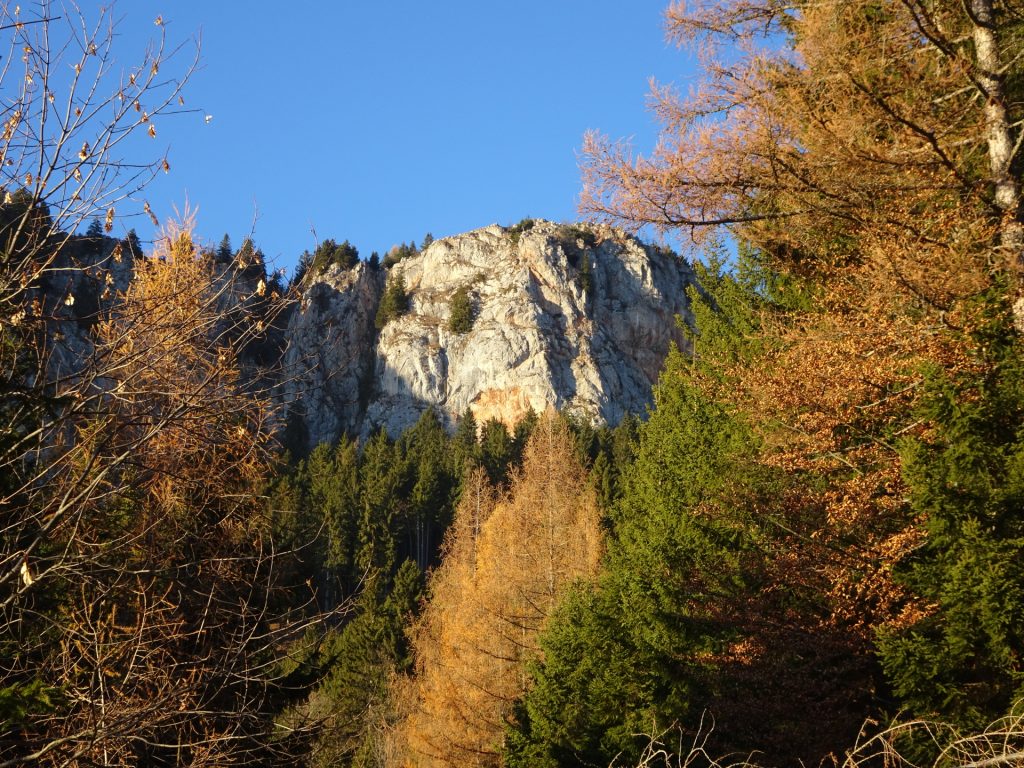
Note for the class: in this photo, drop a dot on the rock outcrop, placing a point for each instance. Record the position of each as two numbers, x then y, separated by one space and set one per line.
327 371
577 317
86 279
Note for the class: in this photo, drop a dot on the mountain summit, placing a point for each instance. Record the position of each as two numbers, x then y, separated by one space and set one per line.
500 320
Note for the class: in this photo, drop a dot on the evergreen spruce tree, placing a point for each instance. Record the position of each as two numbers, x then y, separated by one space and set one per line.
134 245
464 447
380 478
594 692
224 252
461 311
333 478
959 657
640 636
497 451
432 478
95 229
357 663
394 303
691 579
287 509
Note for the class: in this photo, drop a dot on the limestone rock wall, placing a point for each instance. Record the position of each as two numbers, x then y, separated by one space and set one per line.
329 355
576 317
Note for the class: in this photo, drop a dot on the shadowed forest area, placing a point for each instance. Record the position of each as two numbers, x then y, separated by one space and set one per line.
810 550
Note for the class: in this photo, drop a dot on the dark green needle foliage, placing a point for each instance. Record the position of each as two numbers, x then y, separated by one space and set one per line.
627 656
962 658
394 303
463 313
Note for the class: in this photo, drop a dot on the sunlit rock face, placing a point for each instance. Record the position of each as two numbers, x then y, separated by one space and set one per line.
575 317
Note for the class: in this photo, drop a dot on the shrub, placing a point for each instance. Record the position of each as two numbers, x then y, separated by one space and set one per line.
394 303
524 225
586 276
463 313
574 232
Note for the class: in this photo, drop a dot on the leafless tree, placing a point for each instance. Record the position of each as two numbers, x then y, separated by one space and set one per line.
935 745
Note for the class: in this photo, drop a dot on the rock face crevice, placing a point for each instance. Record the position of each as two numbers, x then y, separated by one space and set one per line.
575 317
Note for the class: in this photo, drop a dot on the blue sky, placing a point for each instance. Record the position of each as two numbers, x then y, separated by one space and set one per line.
377 122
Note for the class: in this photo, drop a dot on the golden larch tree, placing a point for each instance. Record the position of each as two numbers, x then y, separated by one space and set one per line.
507 562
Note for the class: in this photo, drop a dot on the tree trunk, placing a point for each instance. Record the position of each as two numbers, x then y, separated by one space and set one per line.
1000 143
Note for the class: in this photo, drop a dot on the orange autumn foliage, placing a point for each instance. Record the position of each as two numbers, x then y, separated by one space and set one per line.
158 550
508 561
859 148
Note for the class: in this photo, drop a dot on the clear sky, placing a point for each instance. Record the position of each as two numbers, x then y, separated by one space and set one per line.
379 121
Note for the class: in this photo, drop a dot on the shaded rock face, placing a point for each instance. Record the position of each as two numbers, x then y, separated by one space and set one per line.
329 358
86 279
579 318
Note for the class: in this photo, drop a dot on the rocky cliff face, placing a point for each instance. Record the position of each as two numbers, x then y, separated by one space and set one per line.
330 353
576 317
85 280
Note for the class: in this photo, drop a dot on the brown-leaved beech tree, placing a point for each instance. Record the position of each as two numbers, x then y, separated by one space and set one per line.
507 562
140 613
860 146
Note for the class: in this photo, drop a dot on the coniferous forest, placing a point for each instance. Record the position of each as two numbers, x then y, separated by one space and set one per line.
810 549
